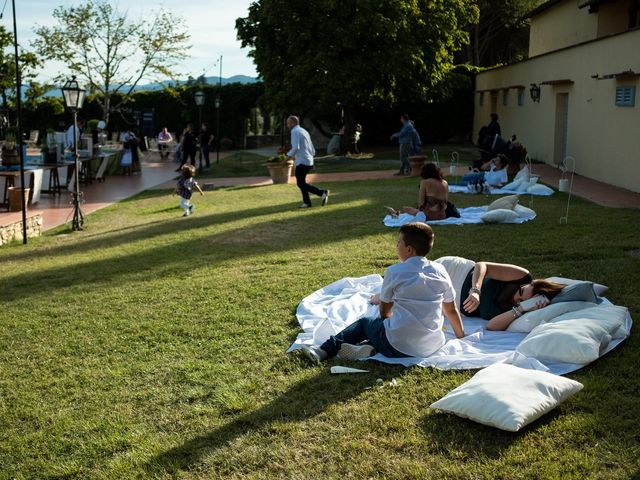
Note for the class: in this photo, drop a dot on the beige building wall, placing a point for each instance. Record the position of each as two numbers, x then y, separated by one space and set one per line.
603 138
560 26
613 18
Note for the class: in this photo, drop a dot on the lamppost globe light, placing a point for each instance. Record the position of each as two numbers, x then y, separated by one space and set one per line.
199 98
73 95
217 102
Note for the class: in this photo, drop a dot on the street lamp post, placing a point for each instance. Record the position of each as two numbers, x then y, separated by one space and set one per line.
199 99
218 102
73 99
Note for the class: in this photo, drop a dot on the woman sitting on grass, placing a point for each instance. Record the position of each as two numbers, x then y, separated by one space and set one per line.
494 291
433 197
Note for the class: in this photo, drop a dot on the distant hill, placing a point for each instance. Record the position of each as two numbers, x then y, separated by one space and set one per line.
158 86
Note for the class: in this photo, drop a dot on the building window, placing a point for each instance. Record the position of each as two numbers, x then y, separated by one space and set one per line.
625 96
481 98
505 97
520 97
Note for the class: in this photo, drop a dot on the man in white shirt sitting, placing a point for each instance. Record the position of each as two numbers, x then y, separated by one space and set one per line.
302 151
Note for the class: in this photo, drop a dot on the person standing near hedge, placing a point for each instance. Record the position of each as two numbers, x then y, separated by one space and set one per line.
189 147
302 151
206 141
406 137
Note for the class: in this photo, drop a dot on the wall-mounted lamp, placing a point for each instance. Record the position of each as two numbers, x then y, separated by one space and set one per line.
534 91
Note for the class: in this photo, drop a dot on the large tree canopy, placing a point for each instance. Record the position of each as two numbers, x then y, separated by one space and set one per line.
27 62
109 51
318 55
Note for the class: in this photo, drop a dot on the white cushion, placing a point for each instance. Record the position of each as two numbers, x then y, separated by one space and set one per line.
598 288
507 397
539 189
499 216
523 187
507 202
513 186
610 317
531 320
523 211
569 341
522 175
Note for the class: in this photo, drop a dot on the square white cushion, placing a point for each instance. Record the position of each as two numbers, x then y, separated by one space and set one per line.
531 320
507 202
507 397
523 211
610 317
513 186
598 288
539 189
499 216
522 175
569 341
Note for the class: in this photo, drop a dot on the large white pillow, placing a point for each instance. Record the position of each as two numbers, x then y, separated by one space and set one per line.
523 187
539 189
513 186
499 216
569 341
522 175
598 288
508 202
507 397
531 320
610 317
523 211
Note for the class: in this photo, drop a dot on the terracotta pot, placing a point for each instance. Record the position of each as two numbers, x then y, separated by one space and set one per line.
16 196
416 162
280 171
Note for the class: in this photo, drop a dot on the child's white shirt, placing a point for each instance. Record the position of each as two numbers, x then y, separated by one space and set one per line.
417 287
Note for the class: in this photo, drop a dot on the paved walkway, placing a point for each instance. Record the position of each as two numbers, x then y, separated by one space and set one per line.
160 174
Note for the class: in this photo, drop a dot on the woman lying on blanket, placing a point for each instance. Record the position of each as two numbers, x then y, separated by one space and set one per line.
494 291
494 173
433 197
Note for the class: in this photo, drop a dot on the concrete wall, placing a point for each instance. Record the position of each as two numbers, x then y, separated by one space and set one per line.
604 138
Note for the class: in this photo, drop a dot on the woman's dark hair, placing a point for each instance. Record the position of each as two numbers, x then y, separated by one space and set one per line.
504 160
431 170
494 117
546 288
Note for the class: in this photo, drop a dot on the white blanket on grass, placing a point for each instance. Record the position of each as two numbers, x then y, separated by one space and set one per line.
329 310
469 215
501 191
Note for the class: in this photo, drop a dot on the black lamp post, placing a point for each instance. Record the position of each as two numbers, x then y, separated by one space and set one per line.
217 104
199 99
73 99
534 91
19 108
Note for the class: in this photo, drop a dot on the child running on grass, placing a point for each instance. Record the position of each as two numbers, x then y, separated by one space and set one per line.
185 187
414 294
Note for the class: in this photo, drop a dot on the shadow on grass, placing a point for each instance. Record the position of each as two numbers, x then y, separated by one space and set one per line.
266 237
301 402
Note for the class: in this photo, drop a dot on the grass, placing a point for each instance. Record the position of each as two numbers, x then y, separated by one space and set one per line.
153 346
247 163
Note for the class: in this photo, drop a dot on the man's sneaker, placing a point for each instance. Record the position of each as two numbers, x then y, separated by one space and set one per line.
315 354
191 208
356 352
325 197
304 205
185 214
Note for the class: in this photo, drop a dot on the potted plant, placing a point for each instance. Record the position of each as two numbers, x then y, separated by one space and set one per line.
280 167
416 162
9 149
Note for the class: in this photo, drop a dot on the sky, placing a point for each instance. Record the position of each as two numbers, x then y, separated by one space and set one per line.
211 24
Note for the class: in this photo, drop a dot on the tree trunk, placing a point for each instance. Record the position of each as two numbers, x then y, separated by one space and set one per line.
350 120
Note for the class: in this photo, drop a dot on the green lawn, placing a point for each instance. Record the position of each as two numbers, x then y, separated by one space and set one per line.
152 346
248 163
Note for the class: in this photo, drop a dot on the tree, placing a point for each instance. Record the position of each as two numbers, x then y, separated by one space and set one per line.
27 61
111 53
354 53
501 34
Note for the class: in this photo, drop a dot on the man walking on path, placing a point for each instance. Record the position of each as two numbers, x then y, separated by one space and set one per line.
405 138
303 151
